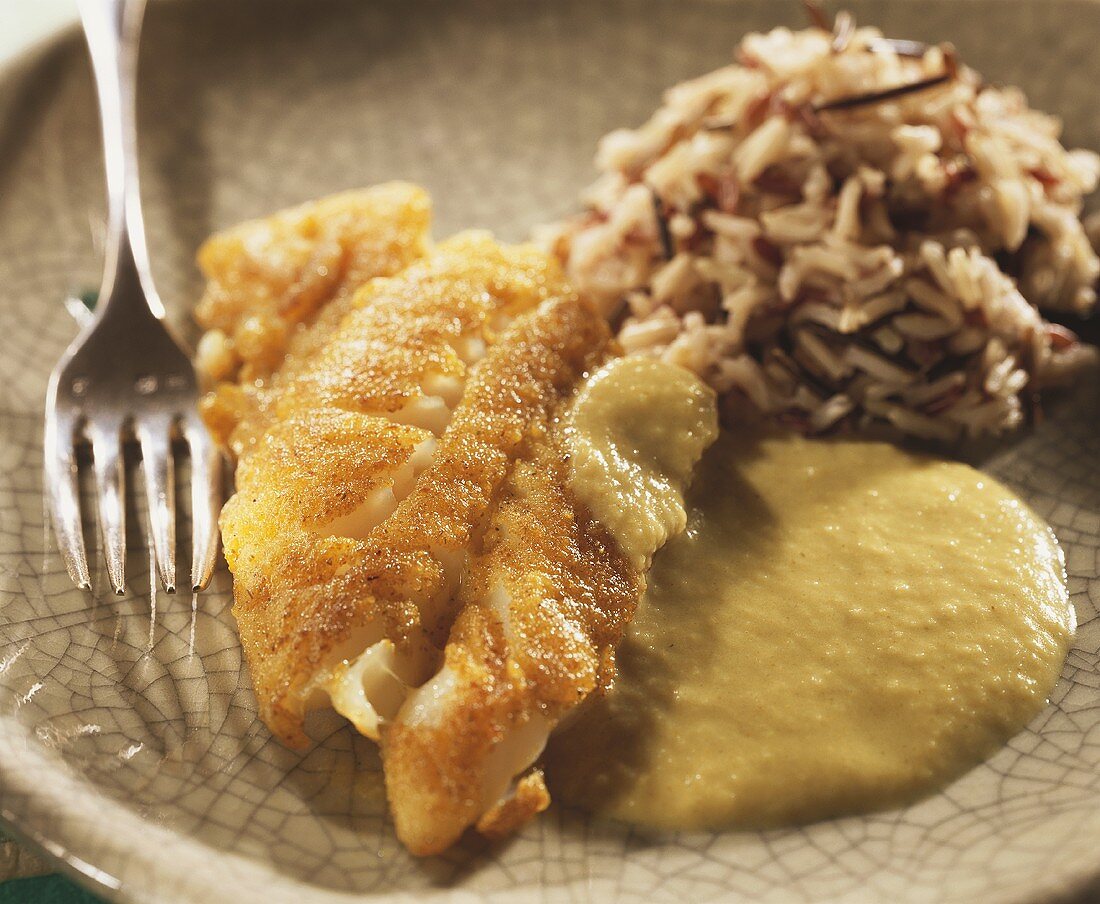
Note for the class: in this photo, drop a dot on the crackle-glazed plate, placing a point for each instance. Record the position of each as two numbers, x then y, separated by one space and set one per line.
129 745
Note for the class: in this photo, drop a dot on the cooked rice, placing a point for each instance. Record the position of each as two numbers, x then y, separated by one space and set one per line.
837 258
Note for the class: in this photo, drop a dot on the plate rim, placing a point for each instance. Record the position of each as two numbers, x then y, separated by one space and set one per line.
108 884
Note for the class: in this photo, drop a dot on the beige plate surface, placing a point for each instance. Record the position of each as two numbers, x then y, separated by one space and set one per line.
129 745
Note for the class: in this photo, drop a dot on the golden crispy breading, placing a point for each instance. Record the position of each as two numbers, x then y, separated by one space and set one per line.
398 340
542 606
529 798
311 469
404 541
267 277
301 592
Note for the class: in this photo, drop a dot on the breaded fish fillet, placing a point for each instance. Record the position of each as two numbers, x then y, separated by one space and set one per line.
268 279
404 542
354 511
545 597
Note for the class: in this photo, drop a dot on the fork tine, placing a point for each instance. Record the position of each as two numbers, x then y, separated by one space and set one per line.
110 478
64 499
160 493
205 499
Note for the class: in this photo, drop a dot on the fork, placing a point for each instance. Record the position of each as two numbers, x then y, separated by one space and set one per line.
125 377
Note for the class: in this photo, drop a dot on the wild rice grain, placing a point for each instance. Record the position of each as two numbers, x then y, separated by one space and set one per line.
845 268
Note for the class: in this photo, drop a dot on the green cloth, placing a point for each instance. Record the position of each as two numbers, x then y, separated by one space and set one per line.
44 890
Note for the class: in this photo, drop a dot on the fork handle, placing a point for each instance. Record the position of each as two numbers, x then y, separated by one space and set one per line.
112 29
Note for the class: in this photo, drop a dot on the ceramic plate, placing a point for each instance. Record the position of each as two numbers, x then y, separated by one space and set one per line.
129 744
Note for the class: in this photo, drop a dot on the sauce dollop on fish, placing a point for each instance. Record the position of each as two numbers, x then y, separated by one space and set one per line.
634 434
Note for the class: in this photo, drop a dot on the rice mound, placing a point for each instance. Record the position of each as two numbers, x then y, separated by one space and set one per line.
845 231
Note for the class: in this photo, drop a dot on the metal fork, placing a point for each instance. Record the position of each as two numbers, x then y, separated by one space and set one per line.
125 377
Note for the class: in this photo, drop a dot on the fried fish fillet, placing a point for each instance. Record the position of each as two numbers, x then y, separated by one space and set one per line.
545 597
269 279
404 541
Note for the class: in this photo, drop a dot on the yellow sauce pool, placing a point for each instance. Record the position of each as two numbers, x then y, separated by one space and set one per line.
842 627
